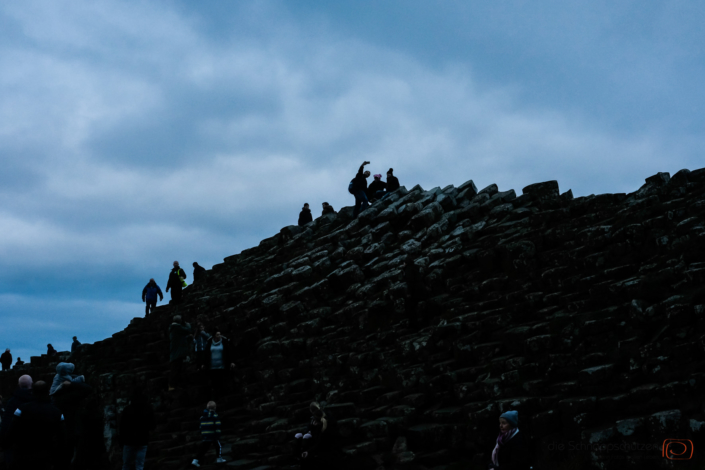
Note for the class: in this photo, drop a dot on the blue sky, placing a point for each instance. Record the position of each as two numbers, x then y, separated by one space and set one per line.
136 133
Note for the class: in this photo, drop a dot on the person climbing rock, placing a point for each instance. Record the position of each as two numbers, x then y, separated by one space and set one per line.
64 371
6 359
51 352
327 209
210 435
36 432
21 395
176 282
75 345
509 452
179 344
149 295
199 272
305 215
309 448
136 422
218 362
376 188
358 188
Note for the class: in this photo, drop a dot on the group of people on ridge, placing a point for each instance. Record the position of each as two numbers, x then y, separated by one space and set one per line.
176 282
363 193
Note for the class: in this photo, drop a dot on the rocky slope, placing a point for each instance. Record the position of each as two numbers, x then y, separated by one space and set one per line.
421 321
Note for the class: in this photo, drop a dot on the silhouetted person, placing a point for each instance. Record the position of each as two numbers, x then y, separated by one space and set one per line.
136 422
51 351
327 209
75 345
358 188
376 187
305 215
176 282
392 181
36 433
199 272
19 362
149 295
90 446
200 340
6 359
21 395
179 344
509 452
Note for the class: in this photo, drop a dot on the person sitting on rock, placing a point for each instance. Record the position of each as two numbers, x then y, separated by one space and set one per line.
51 352
308 445
176 282
210 435
509 452
305 215
149 295
218 361
358 188
19 362
376 186
6 359
392 185
327 209
199 272
64 371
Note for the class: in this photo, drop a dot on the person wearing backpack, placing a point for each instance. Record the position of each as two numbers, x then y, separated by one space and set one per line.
149 295
176 282
358 188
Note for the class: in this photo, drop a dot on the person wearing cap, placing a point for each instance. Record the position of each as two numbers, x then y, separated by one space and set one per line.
376 188
391 185
509 452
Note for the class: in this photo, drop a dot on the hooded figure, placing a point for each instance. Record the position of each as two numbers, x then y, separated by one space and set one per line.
149 295
63 374
305 215
6 359
509 452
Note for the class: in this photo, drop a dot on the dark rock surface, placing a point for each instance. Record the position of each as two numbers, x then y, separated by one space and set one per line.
419 323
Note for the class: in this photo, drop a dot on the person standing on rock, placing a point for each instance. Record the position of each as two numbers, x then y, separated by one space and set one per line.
22 395
210 435
200 340
179 344
358 188
75 345
376 187
36 433
509 452
176 282
305 215
199 272
136 422
149 295
218 362
6 359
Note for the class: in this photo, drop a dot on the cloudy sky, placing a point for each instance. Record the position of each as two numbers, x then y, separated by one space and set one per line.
133 133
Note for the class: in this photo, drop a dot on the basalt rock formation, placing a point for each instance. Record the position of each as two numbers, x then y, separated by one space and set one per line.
419 323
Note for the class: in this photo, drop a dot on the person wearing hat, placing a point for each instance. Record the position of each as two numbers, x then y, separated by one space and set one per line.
376 188
509 452
391 185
